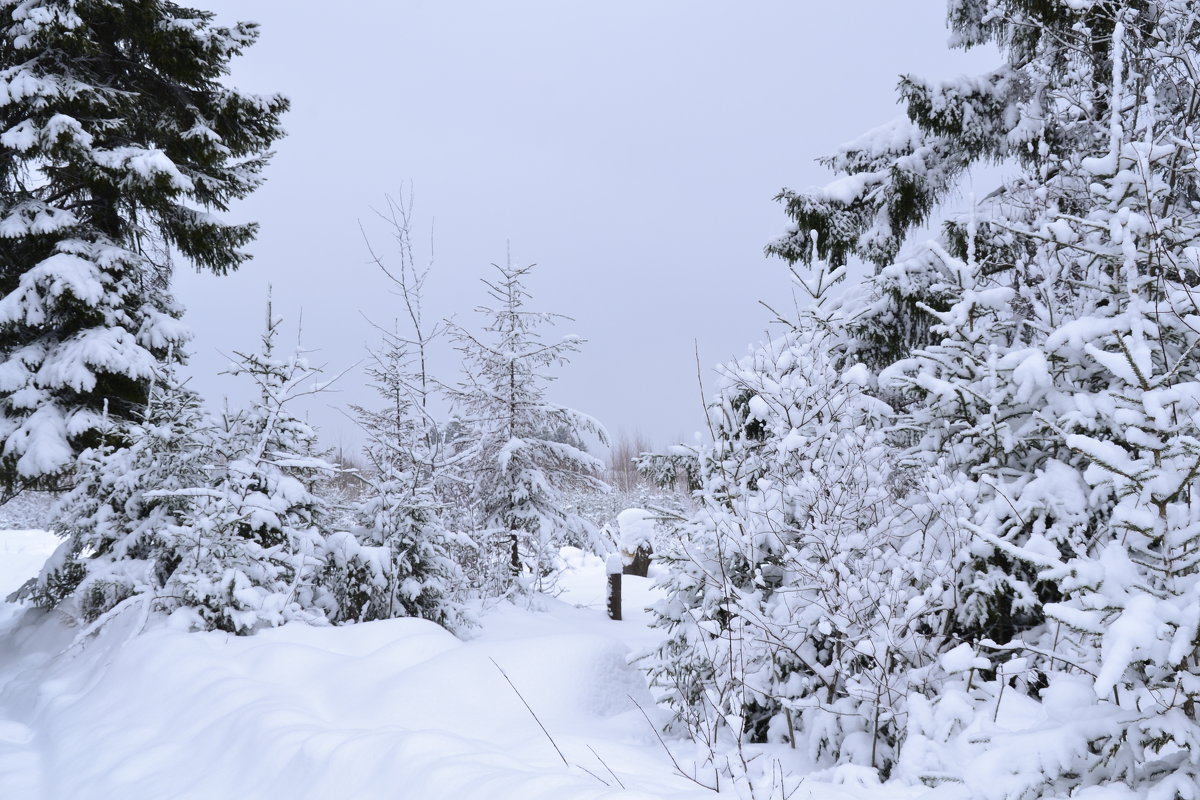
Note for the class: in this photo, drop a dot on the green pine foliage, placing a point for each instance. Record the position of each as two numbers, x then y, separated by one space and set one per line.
120 140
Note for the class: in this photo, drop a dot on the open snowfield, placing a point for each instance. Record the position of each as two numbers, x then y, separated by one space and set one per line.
395 709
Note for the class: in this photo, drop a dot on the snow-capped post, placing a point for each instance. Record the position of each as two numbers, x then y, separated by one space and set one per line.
614 567
636 526
639 562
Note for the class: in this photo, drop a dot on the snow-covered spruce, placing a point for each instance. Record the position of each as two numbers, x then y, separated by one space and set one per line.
254 532
1041 356
527 451
120 139
123 521
396 561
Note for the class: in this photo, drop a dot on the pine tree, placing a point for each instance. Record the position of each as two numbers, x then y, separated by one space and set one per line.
120 139
527 450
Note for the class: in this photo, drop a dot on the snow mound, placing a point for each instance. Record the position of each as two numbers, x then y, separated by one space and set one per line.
22 554
396 708
637 527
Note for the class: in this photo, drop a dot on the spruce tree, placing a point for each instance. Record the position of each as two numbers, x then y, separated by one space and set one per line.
395 559
120 140
528 451
255 531
396 562
124 518
1041 357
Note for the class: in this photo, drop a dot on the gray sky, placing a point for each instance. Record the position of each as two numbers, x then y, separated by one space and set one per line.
630 148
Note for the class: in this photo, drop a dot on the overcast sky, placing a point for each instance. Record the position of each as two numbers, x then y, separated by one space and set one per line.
630 148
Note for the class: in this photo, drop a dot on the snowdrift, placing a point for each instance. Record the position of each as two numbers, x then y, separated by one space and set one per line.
397 708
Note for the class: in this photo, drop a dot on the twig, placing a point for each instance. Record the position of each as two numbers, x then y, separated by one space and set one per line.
606 766
109 616
530 709
594 775
670 755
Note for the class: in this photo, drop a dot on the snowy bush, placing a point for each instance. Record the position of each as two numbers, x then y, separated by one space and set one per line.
796 598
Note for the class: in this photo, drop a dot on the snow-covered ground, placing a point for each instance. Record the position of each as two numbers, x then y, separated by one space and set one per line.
22 554
395 709
384 709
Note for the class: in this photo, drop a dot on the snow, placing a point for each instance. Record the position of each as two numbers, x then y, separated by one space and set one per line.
857 375
1131 635
332 712
22 554
62 126
849 188
61 274
759 408
962 659
146 164
395 708
41 440
20 137
637 529
1030 374
360 710
77 361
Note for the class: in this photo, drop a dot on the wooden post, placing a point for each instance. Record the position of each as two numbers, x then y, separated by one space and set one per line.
614 566
639 565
